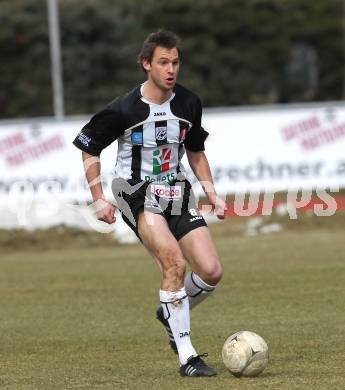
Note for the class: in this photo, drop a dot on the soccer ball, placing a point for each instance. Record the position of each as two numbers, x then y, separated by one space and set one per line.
245 354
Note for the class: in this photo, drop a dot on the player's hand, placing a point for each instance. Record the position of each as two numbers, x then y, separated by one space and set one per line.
218 205
105 211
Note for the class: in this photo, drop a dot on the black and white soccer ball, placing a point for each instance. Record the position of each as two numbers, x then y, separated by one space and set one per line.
245 354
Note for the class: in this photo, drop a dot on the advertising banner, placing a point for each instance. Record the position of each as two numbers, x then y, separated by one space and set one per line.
252 150
38 159
277 149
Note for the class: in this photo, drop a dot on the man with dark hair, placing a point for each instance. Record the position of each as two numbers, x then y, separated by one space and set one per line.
166 39
155 124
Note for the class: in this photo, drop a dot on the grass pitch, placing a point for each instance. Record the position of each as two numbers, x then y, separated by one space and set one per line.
83 318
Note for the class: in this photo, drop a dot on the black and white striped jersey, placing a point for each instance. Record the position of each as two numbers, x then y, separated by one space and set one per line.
151 137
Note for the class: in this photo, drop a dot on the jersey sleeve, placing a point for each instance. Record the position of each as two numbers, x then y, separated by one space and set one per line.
196 136
103 129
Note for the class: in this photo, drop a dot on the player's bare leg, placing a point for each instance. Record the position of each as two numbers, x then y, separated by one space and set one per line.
158 239
199 250
160 242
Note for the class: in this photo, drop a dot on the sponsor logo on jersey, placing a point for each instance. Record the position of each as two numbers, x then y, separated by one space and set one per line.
159 113
167 192
84 139
161 160
137 138
161 133
161 178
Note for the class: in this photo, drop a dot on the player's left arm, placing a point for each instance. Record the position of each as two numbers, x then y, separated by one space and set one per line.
201 169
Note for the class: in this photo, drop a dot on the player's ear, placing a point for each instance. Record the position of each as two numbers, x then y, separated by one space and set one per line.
146 65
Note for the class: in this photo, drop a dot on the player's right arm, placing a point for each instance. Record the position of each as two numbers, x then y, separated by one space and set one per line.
103 128
92 166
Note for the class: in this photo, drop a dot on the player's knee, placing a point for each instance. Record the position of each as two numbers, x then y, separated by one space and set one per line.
212 274
217 273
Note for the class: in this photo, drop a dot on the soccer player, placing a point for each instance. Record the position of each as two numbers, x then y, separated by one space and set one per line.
155 124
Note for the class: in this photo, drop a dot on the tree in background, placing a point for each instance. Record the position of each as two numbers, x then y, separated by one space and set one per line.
235 52
25 86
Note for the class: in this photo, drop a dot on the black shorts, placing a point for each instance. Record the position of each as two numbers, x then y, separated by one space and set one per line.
175 202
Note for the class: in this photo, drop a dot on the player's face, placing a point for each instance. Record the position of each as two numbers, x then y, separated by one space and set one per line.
164 67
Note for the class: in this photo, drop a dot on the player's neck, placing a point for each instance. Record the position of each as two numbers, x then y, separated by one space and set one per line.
154 94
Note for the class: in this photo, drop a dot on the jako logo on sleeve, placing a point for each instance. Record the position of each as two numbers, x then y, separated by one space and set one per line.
161 160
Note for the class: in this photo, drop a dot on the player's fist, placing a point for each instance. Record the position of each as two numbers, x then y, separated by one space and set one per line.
105 211
218 205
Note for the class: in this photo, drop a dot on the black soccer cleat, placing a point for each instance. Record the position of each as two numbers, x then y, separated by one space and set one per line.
160 317
195 366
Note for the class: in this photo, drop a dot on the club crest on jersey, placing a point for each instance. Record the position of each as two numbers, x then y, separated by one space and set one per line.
161 133
161 160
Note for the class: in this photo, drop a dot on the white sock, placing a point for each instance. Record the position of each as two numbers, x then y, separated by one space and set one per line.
176 310
196 289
